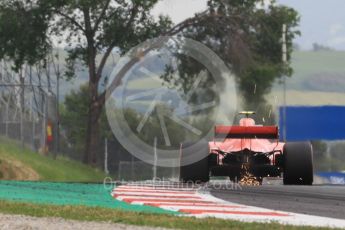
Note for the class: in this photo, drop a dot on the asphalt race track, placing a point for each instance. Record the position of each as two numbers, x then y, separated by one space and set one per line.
318 200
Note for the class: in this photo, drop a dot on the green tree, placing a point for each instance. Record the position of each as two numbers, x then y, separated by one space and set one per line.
23 33
248 39
91 28
74 115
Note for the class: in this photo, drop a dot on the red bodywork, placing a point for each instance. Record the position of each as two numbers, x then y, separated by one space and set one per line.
247 153
259 139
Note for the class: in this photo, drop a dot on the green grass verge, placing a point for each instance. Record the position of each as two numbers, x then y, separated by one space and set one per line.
47 168
83 213
92 195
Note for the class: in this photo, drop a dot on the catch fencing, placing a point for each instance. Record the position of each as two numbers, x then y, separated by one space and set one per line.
29 105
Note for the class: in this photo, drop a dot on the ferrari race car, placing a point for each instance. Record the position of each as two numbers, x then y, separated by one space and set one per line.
248 149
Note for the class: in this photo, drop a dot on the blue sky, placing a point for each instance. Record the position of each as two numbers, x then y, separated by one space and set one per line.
321 21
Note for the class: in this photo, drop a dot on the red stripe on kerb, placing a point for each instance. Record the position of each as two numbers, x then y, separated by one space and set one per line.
192 211
129 200
156 196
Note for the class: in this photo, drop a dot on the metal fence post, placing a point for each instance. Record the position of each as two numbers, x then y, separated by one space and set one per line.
155 159
106 170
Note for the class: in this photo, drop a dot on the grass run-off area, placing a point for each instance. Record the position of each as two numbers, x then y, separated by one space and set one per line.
83 213
17 163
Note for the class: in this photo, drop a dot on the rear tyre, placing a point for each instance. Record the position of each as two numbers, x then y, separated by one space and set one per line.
298 163
197 172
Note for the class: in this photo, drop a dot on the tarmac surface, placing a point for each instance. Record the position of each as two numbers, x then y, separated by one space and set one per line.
318 200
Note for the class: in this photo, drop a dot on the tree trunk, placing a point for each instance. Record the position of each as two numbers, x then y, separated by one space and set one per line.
95 108
92 132
92 137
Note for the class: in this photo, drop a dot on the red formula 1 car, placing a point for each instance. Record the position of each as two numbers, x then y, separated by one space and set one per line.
248 149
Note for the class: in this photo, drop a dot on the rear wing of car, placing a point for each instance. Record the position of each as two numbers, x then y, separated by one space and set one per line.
259 132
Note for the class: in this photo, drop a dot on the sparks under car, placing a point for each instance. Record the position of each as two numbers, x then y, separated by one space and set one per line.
245 149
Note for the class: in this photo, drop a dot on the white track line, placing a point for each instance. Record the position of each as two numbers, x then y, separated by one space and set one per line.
158 194
175 199
155 191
